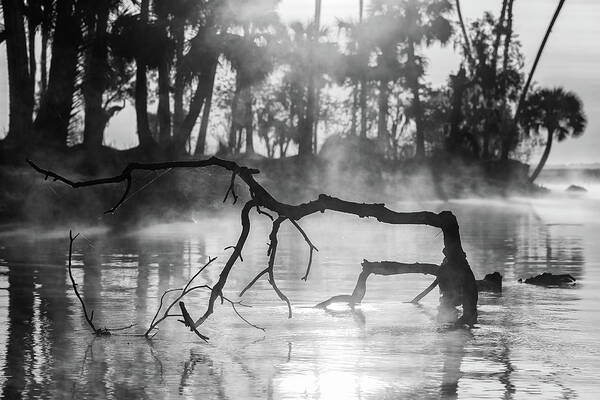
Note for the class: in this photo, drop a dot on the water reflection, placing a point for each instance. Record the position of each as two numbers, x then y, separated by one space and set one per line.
528 342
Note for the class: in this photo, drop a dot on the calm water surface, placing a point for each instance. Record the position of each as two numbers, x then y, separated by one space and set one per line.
531 342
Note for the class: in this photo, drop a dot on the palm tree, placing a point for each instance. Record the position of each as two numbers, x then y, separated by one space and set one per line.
307 56
384 38
557 111
246 45
523 96
418 23
425 23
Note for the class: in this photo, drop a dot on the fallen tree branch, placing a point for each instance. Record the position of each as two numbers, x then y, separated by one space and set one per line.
380 268
396 268
271 251
311 246
455 278
231 189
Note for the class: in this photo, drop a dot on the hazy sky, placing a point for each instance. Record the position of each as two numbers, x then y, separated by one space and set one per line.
571 59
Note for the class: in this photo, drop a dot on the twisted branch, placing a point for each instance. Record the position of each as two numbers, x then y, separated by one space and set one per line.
457 282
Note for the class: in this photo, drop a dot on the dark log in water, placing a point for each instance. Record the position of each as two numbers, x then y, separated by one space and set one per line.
547 279
491 283
455 278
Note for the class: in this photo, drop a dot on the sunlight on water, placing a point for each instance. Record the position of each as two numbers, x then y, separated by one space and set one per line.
531 341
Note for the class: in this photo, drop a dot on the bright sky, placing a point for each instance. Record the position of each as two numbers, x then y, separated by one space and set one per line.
571 59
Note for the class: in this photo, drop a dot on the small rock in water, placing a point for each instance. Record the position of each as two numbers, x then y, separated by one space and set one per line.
548 279
491 283
576 189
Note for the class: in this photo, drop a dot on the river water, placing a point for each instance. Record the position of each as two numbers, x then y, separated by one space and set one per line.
531 342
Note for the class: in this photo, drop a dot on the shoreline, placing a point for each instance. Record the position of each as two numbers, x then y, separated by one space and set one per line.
169 195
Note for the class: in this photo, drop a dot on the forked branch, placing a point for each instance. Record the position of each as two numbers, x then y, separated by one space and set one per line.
455 279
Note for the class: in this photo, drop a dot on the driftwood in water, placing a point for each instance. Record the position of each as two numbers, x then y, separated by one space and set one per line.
382 268
455 278
549 280
491 283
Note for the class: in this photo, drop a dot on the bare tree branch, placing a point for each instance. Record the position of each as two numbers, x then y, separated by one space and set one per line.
381 268
425 292
231 189
311 246
456 280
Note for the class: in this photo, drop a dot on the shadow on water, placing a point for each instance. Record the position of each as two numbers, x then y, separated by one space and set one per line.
384 349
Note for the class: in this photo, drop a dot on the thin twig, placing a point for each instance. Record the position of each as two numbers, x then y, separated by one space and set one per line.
231 189
310 245
184 291
253 281
235 248
97 332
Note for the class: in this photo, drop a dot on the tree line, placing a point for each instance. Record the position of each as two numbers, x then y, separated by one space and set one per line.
74 64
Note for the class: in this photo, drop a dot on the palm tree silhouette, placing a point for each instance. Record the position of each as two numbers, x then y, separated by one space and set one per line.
423 23
557 111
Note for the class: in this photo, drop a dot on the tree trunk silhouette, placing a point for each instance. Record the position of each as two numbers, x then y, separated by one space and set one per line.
544 158
46 30
363 108
96 78
383 110
164 109
315 140
31 29
52 122
414 87
306 125
20 102
235 105
203 88
363 86
179 85
353 119
201 142
510 131
305 146
249 121
164 85
491 125
141 90
467 41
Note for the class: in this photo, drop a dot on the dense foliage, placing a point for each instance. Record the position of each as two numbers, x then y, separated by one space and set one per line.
233 66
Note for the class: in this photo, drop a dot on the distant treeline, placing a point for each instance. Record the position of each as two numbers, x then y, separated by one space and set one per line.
74 64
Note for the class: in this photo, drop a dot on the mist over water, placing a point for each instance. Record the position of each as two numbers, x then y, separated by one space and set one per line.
530 341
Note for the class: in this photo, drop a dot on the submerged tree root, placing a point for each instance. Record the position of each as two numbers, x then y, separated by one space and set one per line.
454 276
